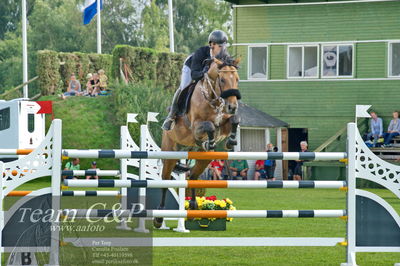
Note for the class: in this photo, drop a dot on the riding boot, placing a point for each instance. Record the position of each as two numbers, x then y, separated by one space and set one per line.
172 112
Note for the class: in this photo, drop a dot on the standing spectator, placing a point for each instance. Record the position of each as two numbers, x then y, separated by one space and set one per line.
269 165
216 167
376 128
93 167
239 168
74 87
393 129
260 171
70 166
297 174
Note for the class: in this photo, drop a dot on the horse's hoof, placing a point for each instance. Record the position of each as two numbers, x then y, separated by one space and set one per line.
193 205
157 222
207 146
230 144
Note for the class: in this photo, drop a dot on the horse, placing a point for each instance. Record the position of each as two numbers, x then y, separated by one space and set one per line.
211 117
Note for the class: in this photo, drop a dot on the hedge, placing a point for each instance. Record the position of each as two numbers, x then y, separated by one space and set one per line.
146 64
141 65
54 69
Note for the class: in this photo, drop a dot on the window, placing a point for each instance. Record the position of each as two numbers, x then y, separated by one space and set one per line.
257 62
5 118
337 60
303 62
394 59
31 123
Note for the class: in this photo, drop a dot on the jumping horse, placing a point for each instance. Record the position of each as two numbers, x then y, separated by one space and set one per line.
210 118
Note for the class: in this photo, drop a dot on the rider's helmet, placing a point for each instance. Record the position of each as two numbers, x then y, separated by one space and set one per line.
218 37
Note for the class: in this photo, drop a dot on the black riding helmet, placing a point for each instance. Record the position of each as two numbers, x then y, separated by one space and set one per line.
218 37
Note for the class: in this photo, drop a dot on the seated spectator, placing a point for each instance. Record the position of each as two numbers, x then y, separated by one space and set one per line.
239 168
103 81
89 84
259 170
269 165
93 167
297 173
393 129
74 165
74 87
96 85
216 167
376 128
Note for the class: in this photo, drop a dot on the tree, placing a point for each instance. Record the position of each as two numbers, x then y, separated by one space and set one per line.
10 15
194 20
155 27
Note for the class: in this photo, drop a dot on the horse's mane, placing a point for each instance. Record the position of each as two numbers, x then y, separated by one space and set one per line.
226 58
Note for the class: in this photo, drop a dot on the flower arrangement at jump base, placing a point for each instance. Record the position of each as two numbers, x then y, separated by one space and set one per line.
209 203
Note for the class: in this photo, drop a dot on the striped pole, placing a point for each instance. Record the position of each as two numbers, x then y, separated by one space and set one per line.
90 172
15 151
83 193
190 214
123 154
205 184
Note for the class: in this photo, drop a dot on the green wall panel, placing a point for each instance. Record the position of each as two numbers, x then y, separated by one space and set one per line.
299 23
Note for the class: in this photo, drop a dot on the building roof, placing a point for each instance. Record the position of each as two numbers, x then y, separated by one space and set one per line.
252 117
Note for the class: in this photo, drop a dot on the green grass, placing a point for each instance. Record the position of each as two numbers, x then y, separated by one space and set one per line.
88 123
255 199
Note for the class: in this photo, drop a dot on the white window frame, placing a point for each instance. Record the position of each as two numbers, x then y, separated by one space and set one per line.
302 61
249 62
337 68
389 73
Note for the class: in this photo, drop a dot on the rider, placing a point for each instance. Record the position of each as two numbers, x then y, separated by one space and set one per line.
195 67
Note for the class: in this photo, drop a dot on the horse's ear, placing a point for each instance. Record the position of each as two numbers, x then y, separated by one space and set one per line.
217 61
237 61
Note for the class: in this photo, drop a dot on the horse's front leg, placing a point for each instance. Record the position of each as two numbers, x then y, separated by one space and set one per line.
202 128
232 141
196 171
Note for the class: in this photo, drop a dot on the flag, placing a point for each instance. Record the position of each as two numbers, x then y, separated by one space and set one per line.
362 111
152 117
46 107
90 10
131 118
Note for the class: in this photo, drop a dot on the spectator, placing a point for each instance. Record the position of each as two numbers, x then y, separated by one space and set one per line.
96 85
74 87
297 173
216 167
70 166
102 81
89 84
93 167
393 129
239 168
260 171
376 128
269 165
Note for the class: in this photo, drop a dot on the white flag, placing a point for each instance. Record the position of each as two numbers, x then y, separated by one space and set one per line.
152 117
362 110
131 118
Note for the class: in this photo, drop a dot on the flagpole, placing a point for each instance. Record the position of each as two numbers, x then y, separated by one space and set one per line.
171 27
24 50
98 27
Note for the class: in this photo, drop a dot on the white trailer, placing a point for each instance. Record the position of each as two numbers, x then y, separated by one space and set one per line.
20 125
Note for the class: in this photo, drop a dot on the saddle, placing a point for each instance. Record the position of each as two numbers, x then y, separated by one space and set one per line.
184 99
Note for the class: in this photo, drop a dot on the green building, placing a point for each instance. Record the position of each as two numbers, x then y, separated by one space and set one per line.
309 62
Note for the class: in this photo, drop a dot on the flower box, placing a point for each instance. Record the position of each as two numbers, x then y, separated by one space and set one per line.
206 224
209 224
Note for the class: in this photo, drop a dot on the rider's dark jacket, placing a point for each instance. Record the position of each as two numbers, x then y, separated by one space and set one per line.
196 62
